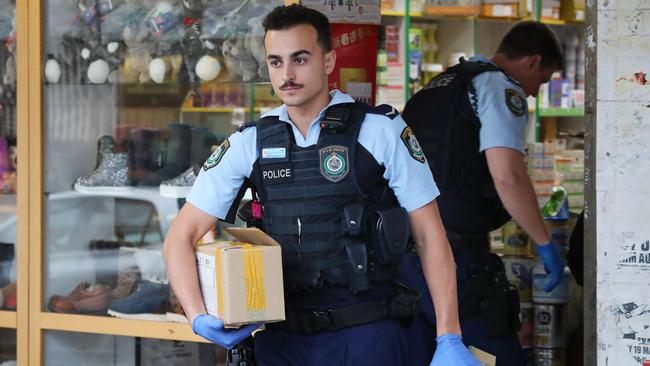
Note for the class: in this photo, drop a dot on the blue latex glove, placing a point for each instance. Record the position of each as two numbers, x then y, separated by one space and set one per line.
553 264
452 351
212 329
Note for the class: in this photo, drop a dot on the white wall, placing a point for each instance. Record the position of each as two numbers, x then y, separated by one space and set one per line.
621 40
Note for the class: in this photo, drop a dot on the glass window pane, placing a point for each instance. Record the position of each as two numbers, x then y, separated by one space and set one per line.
7 346
137 94
8 163
67 348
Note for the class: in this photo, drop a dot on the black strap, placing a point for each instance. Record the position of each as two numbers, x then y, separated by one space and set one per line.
302 229
305 192
404 304
301 209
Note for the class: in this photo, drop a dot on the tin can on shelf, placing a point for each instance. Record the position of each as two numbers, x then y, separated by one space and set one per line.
526 332
549 356
561 294
516 241
548 326
519 271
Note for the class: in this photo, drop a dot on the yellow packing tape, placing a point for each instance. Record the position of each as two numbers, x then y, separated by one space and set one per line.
219 276
254 278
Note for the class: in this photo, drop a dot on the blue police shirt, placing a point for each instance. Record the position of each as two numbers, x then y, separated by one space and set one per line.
502 109
407 173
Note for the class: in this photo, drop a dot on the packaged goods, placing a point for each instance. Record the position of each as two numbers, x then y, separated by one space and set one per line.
241 281
559 295
548 328
519 271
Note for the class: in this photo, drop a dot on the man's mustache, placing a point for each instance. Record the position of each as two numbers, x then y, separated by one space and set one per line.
290 85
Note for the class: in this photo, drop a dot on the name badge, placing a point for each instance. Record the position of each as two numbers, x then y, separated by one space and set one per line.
274 153
277 173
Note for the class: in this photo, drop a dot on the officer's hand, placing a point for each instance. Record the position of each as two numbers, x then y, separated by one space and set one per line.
452 351
212 329
553 264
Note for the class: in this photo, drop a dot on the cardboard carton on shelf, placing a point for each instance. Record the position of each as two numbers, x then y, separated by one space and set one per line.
500 8
241 281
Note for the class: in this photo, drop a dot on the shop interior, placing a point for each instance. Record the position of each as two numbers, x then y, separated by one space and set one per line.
134 95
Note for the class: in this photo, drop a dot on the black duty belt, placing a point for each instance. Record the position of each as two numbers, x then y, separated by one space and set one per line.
402 306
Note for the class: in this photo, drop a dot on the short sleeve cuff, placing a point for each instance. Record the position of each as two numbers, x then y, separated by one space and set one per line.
203 205
421 199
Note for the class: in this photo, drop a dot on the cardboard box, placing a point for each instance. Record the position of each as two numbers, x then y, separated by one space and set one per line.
503 10
241 281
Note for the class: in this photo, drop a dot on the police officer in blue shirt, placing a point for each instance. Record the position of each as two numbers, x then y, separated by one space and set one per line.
470 121
342 187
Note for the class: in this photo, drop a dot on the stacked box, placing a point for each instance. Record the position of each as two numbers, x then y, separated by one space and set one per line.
569 172
551 9
500 8
540 162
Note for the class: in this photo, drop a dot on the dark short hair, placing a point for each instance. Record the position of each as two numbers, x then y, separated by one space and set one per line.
285 17
533 38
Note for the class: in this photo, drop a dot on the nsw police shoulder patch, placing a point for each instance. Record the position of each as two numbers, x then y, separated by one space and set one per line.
515 102
334 163
216 156
412 144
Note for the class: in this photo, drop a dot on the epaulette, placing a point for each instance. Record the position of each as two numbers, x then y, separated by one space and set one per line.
384 110
245 125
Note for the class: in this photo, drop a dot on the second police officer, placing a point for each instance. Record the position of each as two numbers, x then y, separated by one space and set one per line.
342 186
470 121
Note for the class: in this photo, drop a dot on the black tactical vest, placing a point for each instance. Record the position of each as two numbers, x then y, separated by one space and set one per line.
443 118
315 206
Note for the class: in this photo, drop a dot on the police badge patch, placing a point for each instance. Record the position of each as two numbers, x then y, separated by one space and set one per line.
216 156
412 144
334 163
515 102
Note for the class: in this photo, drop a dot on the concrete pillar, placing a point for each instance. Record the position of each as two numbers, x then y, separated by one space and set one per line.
617 234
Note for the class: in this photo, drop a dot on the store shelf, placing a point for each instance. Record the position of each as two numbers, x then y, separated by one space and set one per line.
7 319
395 13
561 112
552 21
121 327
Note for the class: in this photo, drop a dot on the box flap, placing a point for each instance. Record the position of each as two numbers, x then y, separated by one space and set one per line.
251 235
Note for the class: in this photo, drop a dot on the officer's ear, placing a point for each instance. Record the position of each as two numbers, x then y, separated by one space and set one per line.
330 61
533 62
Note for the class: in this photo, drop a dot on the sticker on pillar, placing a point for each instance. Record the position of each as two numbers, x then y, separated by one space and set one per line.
334 163
412 144
216 156
515 102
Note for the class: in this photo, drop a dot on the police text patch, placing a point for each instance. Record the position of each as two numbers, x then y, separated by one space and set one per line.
216 156
277 173
515 102
414 148
334 163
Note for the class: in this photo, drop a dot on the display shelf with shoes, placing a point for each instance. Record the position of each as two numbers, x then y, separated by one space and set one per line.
83 299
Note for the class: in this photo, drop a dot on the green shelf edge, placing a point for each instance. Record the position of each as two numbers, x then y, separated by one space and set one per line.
561 112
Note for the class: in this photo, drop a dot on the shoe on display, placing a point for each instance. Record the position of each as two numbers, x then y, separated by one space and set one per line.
83 299
146 302
180 186
5 162
8 296
110 175
177 153
145 155
128 273
5 166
